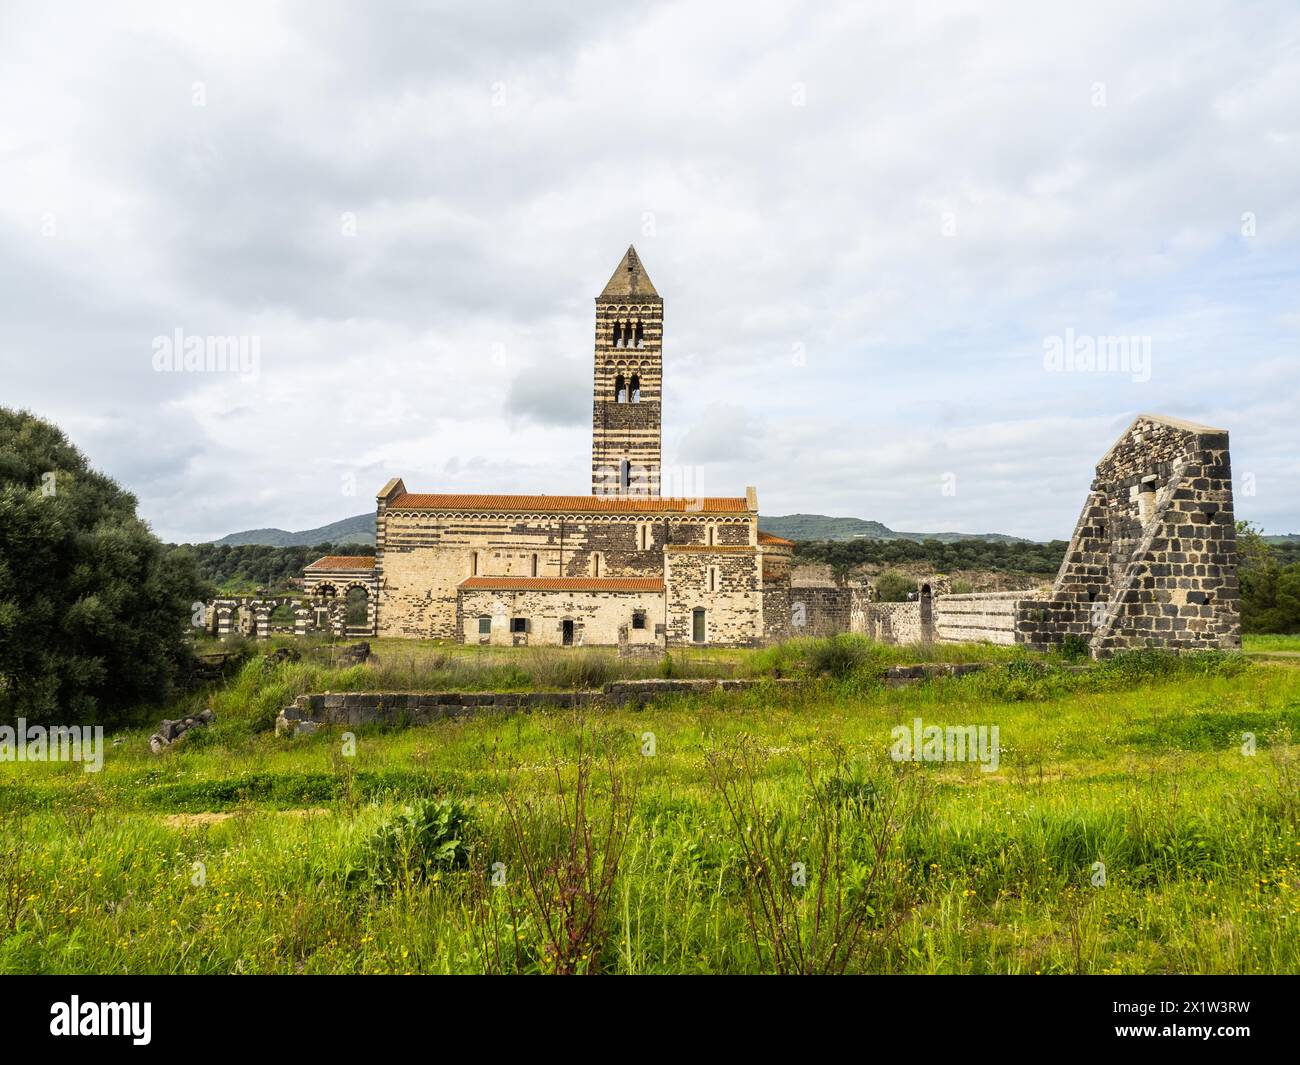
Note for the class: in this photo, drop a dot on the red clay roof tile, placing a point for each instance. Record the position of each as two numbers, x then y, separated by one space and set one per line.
582 504
343 562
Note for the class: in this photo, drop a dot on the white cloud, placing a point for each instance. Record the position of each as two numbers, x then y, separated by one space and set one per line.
412 210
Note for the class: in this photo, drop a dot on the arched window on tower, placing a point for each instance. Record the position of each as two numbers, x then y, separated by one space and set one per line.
640 334
624 474
618 334
635 388
620 395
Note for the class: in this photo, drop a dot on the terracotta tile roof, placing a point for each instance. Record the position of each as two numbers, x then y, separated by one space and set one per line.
581 504
343 562
565 584
768 538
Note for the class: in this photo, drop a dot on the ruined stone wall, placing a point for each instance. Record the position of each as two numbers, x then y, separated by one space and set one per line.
599 618
725 582
893 622
988 617
821 610
1153 558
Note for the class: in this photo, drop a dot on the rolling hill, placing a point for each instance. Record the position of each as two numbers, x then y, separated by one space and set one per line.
355 530
361 530
821 527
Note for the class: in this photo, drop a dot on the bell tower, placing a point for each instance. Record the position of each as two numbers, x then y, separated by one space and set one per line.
626 435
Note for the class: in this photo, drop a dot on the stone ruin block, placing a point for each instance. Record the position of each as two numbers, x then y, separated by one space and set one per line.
1153 559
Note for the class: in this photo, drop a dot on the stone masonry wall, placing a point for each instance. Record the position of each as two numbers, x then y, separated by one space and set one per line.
426 554
733 603
1153 558
893 622
988 617
599 618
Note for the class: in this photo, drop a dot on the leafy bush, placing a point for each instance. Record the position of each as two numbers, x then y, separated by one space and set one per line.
418 844
894 587
1074 648
839 655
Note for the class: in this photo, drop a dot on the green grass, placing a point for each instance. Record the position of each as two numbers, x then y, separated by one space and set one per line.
1138 764
1270 642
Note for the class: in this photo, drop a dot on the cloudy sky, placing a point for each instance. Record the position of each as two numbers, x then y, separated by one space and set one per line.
871 225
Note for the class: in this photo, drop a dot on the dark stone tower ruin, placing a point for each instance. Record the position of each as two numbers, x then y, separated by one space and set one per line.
1153 559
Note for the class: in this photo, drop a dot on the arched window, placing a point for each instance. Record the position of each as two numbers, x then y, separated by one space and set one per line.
596 561
358 606
618 334
635 388
640 334
534 564
620 393
624 474
473 563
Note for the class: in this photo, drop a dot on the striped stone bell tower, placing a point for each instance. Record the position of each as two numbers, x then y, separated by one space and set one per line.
626 439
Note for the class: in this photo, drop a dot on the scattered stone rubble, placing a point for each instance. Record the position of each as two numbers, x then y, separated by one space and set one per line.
170 731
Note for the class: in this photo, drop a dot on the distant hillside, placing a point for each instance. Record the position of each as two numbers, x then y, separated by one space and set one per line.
356 530
361 530
821 527
1283 539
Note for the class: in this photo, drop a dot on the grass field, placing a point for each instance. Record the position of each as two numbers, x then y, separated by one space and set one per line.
742 832
1258 643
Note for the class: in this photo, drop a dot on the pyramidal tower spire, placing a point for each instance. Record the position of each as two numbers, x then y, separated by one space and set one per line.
626 438
630 279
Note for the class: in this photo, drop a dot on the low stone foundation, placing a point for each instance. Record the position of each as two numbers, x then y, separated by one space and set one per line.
309 712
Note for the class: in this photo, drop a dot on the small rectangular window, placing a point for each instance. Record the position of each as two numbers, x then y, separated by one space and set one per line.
485 626
638 619
518 624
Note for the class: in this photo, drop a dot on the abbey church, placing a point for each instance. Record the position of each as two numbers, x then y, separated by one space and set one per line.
623 565
1152 561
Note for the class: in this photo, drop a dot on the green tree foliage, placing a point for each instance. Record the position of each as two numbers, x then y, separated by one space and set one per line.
894 587
94 611
243 569
1270 583
989 555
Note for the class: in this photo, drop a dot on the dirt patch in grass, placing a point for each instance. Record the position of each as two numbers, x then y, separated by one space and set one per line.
195 820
